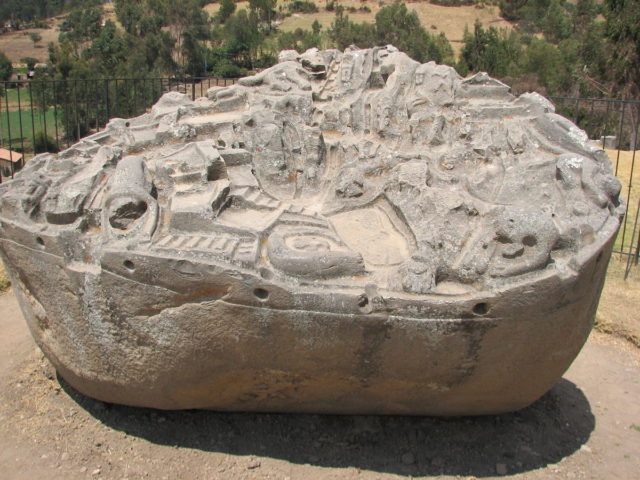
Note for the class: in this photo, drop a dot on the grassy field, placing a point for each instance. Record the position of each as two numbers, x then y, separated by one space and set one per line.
26 134
12 97
624 162
620 302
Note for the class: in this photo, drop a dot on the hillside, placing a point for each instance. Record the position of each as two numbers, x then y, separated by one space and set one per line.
436 18
18 44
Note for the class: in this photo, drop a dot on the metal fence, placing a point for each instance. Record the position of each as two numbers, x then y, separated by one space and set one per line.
614 125
48 116
39 116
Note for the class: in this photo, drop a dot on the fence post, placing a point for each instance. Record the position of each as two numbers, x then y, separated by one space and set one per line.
633 236
6 98
20 119
33 122
624 104
45 110
55 114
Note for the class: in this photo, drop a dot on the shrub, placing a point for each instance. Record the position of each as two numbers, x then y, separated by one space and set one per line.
226 69
35 37
6 68
5 283
30 62
44 143
453 3
303 6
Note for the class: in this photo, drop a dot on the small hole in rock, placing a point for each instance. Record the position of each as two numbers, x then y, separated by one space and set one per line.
441 277
481 308
126 213
40 241
127 124
128 264
363 301
530 241
599 257
261 293
266 273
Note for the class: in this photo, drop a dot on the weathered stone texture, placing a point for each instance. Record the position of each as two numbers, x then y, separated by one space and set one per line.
344 232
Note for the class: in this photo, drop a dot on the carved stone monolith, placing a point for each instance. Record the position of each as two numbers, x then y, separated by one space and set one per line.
348 232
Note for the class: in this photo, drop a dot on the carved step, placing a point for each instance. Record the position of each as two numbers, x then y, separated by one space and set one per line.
241 250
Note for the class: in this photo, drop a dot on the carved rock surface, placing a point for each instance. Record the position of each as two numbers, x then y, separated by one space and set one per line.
348 232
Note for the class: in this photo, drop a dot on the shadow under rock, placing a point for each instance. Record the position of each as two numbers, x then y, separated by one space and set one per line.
550 429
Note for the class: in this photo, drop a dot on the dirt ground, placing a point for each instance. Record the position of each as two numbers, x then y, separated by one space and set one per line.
619 309
587 427
18 45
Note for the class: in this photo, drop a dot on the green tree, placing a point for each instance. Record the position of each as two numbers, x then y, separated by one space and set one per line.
585 12
44 143
496 52
242 38
35 37
82 24
19 12
316 26
556 24
300 40
623 32
510 9
265 10
109 49
545 61
129 13
227 7
6 68
531 15
398 26
30 62
344 32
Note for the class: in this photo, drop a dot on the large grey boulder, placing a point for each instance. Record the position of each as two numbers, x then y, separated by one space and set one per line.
348 232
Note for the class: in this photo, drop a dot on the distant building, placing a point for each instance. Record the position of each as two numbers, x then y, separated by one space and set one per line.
18 77
10 162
